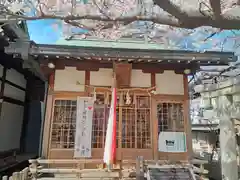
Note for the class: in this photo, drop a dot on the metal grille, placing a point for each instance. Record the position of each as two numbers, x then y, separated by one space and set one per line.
170 117
64 124
128 128
99 126
136 123
143 122
99 122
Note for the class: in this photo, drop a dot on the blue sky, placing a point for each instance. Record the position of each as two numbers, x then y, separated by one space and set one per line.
50 31
44 31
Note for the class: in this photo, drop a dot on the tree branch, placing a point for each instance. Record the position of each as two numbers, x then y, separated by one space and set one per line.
216 8
172 9
159 20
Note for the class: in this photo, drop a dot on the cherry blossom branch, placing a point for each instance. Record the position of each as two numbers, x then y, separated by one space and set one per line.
190 23
216 8
115 15
158 20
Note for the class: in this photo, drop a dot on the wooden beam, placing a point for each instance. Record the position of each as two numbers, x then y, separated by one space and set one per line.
3 79
123 74
94 65
15 85
25 117
13 101
187 124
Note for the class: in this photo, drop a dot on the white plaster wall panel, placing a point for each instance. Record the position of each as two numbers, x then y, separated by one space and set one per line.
16 78
103 77
66 80
140 79
169 83
13 92
10 126
1 70
201 141
209 114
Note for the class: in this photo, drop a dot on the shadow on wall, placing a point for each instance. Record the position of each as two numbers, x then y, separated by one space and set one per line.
32 135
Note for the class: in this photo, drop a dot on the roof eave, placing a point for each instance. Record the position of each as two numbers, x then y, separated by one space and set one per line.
135 55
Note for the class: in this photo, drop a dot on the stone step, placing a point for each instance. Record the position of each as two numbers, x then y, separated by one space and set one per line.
169 173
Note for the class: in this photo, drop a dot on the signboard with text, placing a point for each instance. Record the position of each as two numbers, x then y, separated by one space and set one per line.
83 135
172 142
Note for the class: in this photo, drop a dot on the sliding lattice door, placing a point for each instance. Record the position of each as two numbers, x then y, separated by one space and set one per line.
133 125
170 118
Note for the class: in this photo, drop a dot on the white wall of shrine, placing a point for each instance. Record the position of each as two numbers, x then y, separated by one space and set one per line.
166 83
140 79
66 79
103 77
169 83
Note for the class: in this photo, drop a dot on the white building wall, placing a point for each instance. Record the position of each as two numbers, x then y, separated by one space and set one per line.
168 83
68 79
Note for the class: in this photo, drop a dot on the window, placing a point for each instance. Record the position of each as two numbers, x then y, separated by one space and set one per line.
170 117
64 124
99 125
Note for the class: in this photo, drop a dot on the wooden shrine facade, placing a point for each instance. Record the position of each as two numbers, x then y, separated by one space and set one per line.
139 122
159 102
152 97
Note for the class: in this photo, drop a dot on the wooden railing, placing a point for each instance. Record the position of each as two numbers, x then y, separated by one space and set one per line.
50 166
136 168
39 167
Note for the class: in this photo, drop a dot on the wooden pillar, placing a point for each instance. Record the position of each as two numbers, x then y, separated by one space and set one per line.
43 118
187 124
48 115
227 139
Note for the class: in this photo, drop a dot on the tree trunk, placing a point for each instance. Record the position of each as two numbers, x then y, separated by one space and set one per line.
227 142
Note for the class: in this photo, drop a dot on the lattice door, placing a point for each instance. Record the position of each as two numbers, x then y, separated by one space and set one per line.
170 116
133 123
